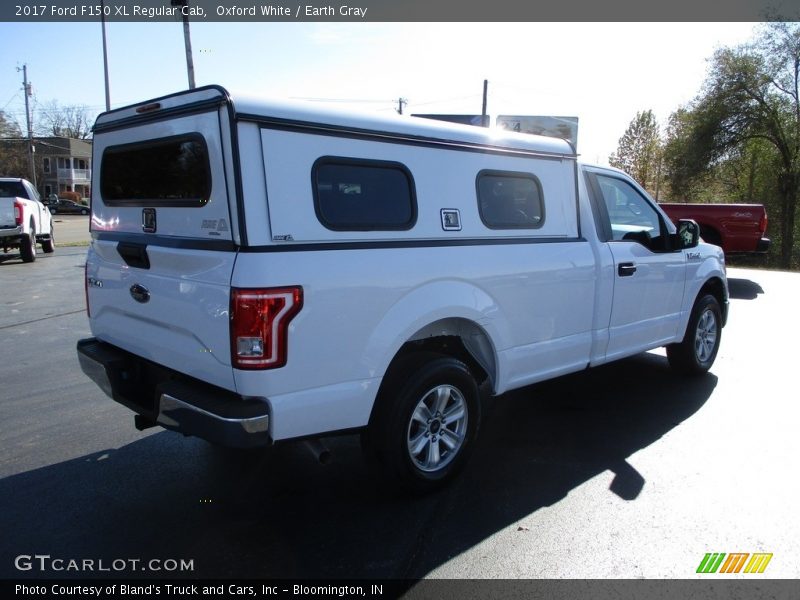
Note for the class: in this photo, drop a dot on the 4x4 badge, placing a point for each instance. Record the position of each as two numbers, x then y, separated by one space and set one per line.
149 220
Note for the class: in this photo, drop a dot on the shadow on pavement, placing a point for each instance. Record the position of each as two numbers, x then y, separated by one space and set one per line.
278 513
744 289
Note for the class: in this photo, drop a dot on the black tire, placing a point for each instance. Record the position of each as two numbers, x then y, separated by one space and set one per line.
418 407
49 245
698 350
84 212
27 247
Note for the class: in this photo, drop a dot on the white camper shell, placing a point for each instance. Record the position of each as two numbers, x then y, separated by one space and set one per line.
262 271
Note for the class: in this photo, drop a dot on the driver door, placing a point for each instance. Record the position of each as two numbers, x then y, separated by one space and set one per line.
649 276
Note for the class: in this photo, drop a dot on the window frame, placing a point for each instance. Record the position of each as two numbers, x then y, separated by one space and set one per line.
607 226
159 202
346 161
510 175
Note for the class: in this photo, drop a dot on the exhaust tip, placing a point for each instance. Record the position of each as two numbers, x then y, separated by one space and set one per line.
319 450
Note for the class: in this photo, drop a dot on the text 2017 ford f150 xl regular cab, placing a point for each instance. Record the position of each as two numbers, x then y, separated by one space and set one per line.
262 271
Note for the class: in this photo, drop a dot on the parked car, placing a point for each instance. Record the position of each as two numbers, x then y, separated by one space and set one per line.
68 207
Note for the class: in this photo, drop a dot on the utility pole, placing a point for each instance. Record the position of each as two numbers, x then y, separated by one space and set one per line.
484 116
105 53
401 102
187 41
27 89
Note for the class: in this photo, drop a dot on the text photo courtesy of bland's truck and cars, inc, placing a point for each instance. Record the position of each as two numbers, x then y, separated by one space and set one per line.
155 12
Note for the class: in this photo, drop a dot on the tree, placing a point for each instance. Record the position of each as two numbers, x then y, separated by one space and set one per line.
752 94
639 150
72 121
13 157
8 128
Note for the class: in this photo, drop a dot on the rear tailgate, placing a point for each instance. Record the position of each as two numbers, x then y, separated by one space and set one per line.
7 218
163 248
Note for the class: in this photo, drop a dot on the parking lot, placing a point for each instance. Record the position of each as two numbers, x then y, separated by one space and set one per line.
625 471
71 229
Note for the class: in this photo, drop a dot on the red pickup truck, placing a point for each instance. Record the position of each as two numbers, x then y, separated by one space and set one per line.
737 228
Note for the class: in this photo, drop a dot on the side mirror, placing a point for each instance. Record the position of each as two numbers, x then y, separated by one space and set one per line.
688 235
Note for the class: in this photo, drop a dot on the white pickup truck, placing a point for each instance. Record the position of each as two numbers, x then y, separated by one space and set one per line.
24 220
262 271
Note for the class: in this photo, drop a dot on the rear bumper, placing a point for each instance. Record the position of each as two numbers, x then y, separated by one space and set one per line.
763 245
11 235
164 397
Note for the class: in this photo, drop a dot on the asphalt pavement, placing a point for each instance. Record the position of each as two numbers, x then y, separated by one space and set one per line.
71 229
625 471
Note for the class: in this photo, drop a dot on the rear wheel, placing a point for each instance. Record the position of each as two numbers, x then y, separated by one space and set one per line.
696 353
27 246
425 422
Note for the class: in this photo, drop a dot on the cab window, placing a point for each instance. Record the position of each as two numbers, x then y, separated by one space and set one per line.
630 216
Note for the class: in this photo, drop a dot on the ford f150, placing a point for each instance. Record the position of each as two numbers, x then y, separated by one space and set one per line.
262 271
24 220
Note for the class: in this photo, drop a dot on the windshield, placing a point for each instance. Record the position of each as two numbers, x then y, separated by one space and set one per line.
12 189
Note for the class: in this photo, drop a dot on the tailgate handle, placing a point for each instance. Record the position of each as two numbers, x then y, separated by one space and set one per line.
134 255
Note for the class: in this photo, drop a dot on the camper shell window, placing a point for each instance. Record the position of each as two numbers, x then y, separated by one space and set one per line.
510 200
164 172
363 195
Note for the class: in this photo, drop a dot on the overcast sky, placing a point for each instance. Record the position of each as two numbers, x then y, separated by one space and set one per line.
600 72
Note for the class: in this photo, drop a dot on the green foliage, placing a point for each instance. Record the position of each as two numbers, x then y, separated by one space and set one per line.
639 150
739 141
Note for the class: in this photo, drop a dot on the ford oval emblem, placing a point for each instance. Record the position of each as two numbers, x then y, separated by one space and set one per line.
140 293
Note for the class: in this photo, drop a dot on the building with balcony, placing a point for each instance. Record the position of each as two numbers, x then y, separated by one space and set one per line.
66 165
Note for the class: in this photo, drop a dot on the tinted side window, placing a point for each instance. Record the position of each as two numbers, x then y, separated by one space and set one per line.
163 172
363 195
631 216
508 200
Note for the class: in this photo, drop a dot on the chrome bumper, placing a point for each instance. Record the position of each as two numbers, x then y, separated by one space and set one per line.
164 397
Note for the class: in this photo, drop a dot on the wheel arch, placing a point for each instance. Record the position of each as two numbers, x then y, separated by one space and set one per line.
469 326
460 338
717 288
711 233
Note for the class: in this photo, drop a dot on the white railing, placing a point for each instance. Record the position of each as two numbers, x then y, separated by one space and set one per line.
75 174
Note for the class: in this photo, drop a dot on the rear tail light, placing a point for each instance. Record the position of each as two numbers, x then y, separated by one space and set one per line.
18 212
763 224
260 325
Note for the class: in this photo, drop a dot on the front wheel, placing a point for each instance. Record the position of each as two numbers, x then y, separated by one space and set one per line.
49 245
27 247
425 423
696 353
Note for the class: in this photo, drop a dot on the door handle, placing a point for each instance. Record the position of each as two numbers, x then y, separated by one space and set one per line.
626 269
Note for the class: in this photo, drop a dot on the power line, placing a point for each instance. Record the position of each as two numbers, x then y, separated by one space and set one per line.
342 100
